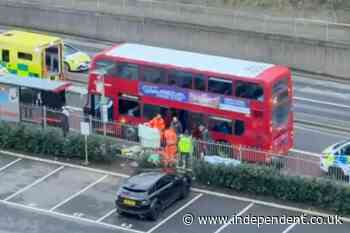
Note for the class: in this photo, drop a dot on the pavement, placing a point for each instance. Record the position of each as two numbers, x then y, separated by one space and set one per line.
44 196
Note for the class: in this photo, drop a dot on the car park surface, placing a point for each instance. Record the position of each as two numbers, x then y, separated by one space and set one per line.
45 196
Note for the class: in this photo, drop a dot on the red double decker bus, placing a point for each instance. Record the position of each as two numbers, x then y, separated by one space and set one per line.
240 102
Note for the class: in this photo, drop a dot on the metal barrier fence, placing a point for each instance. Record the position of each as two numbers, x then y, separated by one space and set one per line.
207 16
298 164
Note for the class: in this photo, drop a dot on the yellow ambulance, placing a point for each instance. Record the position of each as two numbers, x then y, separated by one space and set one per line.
32 55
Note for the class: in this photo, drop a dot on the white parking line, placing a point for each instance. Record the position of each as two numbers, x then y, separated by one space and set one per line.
106 215
212 193
64 164
32 184
239 214
175 213
290 227
17 205
78 193
10 164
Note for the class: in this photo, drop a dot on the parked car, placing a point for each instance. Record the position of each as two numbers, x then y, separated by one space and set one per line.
74 59
335 160
149 193
3 70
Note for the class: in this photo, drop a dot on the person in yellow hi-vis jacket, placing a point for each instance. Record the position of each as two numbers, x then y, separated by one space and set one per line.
185 147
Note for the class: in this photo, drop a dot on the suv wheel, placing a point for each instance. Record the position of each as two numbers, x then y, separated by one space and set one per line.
155 211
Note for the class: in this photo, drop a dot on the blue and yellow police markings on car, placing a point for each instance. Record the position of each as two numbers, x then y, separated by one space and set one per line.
74 59
335 160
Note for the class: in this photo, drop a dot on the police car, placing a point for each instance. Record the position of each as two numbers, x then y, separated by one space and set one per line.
335 160
74 59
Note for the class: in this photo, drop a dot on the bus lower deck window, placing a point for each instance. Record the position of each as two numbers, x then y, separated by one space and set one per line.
129 107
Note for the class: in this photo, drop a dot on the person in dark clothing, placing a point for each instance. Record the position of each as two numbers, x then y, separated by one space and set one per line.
176 124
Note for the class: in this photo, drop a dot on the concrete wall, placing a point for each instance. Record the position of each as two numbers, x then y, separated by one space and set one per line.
309 55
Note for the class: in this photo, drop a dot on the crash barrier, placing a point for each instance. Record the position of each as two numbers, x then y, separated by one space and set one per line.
207 16
134 147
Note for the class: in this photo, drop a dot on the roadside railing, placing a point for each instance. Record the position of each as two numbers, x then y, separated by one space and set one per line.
207 16
293 163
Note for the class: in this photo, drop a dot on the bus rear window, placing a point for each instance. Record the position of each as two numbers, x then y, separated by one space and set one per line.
249 90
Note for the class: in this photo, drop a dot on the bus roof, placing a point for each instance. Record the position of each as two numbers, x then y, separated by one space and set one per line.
184 59
34 83
26 39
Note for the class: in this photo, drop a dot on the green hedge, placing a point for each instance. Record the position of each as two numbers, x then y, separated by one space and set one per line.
50 141
266 181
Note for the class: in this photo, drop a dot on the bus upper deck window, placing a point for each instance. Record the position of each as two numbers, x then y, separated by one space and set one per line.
153 75
199 83
180 79
249 91
128 71
220 86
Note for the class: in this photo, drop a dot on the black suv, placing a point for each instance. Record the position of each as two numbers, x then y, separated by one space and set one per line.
148 193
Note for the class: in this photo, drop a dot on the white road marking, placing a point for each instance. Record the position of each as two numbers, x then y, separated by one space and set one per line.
202 191
10 164
290 227
239 214
316 109
64 164
34 183
323 131
306 153
323 92
68 216
78 193
322 102
174 213
106 215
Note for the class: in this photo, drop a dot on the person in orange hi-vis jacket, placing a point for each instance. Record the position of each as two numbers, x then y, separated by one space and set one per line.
169 153
157 122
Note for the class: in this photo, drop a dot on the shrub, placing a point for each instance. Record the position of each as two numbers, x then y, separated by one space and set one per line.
267 181
32 139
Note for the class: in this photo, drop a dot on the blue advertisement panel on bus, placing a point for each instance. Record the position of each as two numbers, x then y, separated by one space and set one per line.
194 97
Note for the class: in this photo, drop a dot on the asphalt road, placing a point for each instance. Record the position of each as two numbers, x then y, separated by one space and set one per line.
50 197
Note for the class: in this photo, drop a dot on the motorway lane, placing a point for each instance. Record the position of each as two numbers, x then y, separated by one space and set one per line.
314 139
